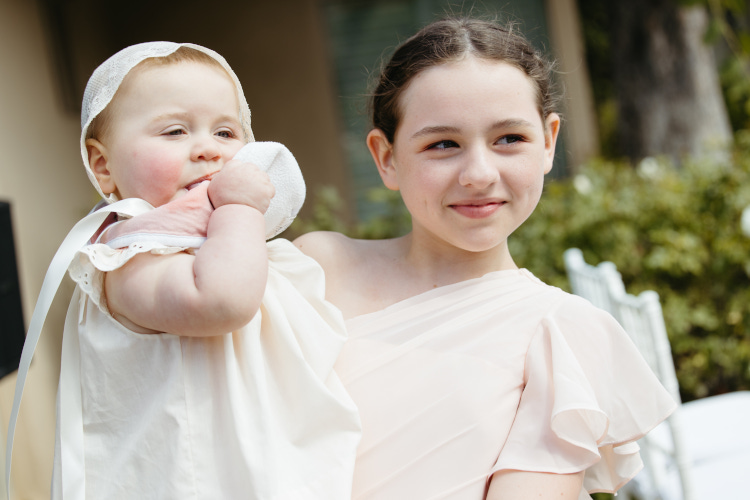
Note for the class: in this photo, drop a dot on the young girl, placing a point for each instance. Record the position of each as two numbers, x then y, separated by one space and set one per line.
156 398
474 379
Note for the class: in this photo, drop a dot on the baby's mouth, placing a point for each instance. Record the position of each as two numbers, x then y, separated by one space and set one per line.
206 177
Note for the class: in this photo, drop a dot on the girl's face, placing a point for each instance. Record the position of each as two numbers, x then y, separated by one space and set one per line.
171 127
470 153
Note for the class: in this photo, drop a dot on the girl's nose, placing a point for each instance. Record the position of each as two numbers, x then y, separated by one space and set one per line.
205 149
480 170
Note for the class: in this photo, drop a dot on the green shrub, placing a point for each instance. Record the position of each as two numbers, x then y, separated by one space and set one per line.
328 215
676 231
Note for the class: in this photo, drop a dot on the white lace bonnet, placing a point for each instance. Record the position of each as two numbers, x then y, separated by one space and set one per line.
108 77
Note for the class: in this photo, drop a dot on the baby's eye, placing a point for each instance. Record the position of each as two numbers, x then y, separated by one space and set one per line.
226 134
176 131
510 139
443 145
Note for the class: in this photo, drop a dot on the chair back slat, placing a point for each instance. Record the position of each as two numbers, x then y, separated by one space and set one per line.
588 281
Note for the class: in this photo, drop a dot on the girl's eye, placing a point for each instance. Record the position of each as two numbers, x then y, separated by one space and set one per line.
443 145
177 131
226 134
510 139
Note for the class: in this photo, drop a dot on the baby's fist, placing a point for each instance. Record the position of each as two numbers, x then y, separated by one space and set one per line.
241 183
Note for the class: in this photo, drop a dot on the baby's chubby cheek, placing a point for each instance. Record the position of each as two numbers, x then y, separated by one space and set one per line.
159 185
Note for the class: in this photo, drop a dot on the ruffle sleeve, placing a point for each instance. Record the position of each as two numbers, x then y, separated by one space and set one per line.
92 261
177 226
588 396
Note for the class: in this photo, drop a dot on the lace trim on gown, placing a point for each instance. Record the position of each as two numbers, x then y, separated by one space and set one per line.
92 261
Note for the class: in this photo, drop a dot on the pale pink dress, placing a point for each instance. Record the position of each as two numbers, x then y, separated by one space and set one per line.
499 372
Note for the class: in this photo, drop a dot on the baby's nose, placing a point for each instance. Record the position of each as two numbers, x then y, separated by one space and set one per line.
205 149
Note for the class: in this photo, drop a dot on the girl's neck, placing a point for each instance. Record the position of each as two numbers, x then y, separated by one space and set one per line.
440 264
404 267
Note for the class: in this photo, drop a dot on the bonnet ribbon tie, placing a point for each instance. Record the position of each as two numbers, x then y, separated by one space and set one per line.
74 241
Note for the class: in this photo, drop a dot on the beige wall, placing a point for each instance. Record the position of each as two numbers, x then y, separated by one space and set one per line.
42 178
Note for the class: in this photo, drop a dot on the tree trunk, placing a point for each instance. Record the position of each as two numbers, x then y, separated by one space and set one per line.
669 97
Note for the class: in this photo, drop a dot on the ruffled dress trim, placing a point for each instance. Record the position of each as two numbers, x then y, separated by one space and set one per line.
92 261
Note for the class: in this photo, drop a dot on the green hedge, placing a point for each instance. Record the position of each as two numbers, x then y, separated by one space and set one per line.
673 230
676 231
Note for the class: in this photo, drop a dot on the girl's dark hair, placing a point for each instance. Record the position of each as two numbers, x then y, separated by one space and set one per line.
450 40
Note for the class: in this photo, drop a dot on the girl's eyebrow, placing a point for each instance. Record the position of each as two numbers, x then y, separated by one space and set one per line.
437 129
511 122
442 129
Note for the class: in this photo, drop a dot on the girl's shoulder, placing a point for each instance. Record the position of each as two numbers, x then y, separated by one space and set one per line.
354 269
577 310
336 252
572 314
332 250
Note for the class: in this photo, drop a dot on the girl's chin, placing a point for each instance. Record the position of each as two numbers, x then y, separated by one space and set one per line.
478 245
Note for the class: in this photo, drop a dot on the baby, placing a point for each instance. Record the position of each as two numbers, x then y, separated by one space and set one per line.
197 357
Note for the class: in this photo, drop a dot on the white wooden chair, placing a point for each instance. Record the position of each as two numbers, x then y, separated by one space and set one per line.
702 451
591 283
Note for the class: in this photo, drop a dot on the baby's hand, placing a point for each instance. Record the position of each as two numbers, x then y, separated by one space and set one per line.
241 183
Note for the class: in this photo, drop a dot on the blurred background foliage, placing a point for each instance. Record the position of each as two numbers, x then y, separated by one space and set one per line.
728 33
673 230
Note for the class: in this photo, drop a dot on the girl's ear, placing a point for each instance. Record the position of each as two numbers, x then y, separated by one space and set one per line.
382 152
551 131
100 166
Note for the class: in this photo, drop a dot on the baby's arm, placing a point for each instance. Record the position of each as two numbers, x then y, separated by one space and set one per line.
215 291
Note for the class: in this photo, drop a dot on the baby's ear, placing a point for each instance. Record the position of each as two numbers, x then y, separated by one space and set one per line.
100 166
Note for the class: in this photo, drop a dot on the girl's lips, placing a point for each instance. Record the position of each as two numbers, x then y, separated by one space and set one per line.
478 210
